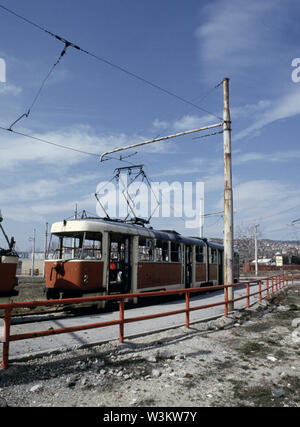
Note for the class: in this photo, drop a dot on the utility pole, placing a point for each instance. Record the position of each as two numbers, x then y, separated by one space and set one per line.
201 218
255 248
74 240
228 202
46 240
33 253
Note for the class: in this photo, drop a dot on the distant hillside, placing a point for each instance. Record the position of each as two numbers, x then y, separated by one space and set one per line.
266 248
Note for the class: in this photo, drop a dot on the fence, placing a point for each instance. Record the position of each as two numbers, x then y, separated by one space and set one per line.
266 287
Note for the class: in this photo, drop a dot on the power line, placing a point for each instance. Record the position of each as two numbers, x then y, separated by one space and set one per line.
108 62
40 88
48 142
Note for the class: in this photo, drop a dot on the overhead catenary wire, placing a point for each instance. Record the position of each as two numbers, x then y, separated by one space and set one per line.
44 141
108 62
41 87
48 142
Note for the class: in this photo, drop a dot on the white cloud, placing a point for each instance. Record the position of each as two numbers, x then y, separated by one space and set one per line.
190 122
260 200
19 150
9 89
284 107
186 122
160 124
248 110
280 156
234 36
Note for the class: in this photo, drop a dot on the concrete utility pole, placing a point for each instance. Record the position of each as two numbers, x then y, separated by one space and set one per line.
228 202
33 252
46 240
255 248
201 218
74 240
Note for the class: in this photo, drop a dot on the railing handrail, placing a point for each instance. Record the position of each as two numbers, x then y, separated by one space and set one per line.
8 307
66 301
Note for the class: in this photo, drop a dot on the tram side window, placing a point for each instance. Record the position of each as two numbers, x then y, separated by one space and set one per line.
213 256
145 249
199 254
162 250
175 252
91 249
220 258
236 260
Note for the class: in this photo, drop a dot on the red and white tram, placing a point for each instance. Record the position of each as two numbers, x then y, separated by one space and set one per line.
8 266
110 257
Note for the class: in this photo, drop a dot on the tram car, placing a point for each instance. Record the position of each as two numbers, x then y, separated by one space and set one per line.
112 257
8 266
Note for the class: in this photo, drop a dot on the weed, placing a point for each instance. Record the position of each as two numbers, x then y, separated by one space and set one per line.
251 348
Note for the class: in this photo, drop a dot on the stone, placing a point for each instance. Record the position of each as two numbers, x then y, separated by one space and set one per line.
3 403
155 373
282 308
150 358
37 387
277 393
296 336
272 358
223 322
296 322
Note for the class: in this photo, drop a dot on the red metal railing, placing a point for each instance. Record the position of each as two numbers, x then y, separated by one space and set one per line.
272 284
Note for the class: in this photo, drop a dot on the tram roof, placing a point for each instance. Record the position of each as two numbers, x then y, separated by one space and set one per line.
91 225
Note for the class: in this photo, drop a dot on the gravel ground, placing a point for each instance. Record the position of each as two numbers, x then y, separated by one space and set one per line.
249 359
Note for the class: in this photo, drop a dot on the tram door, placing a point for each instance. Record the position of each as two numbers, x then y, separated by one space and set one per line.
188 266
119 264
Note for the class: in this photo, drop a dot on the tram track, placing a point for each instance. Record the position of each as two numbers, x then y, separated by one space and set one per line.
35 291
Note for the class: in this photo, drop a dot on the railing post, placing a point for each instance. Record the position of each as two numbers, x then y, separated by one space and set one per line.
5 353
272 285
226 300
121 326
248 295
268 288
187 307
259 290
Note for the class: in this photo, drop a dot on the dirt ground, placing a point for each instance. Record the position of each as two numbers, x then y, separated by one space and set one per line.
250 359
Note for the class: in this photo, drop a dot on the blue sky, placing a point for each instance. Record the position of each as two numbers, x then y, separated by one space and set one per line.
184 47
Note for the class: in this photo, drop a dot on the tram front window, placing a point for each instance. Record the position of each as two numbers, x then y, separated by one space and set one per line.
85 246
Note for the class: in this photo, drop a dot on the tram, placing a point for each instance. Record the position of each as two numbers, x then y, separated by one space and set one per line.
103 257
8 266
